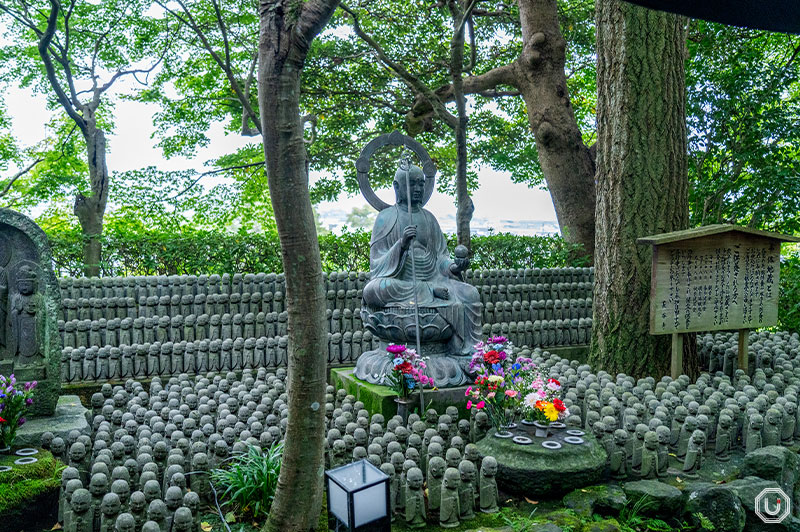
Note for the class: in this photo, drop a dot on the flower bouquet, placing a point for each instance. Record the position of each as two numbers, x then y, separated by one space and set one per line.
13 403
408 370
494 386
540 402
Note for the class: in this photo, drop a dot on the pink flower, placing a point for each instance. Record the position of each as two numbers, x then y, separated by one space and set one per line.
480 405
512 393
469 404
490 395
469 389
396 349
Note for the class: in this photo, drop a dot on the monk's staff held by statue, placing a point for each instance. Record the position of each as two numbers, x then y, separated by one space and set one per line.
406 162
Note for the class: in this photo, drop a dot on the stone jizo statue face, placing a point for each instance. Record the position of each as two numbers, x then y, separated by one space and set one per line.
80 501
111 504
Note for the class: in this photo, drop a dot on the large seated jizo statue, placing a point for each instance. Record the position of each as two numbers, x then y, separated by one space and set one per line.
410 266
30 344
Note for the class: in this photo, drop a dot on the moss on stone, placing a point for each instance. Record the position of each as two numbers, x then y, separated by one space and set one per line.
24 483
565 519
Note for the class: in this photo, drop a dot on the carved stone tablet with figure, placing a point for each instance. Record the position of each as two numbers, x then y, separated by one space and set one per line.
30 344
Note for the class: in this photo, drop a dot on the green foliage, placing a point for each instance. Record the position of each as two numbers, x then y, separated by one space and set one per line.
743 105
705 522
507 251
93 46
249 482
789 301
132 249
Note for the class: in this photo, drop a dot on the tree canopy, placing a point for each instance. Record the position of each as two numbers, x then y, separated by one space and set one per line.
742 106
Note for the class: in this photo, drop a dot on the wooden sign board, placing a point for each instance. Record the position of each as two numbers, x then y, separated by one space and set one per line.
706 280
712 278
711 284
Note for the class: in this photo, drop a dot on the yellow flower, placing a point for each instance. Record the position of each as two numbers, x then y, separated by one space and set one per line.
550 412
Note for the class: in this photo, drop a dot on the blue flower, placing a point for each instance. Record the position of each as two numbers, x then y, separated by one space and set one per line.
516 366
497 367
397 361
411 385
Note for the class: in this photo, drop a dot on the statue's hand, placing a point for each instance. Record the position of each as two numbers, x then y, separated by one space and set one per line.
409 233
441 293
459 265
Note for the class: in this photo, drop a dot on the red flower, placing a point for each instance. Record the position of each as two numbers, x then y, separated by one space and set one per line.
2 420
554 381
559 404
405 367
492 357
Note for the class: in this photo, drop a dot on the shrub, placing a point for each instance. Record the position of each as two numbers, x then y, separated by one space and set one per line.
789 302
248 484
186 251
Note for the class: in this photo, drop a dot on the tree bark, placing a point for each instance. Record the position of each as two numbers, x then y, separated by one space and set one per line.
538 74
565 160
465 205
641 177
286 32
90 209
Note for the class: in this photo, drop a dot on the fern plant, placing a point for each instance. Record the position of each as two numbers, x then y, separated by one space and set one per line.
247 485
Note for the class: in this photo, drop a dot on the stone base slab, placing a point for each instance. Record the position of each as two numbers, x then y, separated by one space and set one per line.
70 415
379 399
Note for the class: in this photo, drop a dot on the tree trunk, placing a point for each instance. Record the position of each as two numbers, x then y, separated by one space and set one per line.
283 46
465 205
641 177
91 209
565 160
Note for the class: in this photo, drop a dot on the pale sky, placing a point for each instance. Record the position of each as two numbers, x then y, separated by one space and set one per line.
499 203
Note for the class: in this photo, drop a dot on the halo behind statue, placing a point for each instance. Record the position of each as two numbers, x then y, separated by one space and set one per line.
395 138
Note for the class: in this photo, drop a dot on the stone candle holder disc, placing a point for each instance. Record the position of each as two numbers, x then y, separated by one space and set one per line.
28 451
503 434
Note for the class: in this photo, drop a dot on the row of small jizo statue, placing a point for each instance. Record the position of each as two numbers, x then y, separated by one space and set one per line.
99 287
150 453
145 442
112 362
573 304
202 314
116 332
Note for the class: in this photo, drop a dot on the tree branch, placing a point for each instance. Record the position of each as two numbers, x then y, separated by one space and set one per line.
226 67
43 47
212 172
313 17
488 81
411 80
18 175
